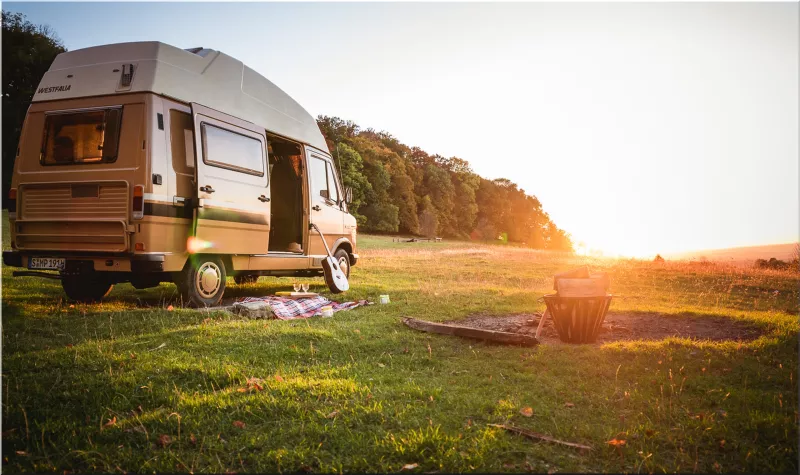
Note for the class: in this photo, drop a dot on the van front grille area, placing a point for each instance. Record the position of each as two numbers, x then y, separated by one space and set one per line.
78 201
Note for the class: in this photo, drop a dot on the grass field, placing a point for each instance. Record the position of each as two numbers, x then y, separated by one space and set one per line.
127 385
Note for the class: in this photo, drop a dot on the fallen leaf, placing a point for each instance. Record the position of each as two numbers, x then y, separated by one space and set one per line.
164 440
278 378
332 415
649 432
69 345
111 422
72 306
409 466
239 424
431 398
192 439
170 308
616 442
722 444
526 411
22 452
569 404
241 390
133 356
381 365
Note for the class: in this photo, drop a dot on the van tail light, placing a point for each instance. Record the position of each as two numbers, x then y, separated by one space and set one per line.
138 202
12 203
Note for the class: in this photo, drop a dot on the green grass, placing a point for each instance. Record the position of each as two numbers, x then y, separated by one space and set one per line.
361 392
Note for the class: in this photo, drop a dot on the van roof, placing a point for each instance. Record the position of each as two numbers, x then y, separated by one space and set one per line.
200 75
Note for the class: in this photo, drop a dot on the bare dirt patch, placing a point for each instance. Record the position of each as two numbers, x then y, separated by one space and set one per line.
626 326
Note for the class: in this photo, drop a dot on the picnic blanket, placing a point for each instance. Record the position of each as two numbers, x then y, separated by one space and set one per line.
290 309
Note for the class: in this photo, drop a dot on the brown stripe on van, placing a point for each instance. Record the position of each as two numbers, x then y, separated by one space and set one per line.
219 214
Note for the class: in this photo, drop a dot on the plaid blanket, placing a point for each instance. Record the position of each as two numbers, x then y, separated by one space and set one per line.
290 309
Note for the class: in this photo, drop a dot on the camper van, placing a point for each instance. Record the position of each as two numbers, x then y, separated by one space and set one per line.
146 163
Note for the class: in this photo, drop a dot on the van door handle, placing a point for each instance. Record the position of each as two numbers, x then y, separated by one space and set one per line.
316 208
263 199
207 189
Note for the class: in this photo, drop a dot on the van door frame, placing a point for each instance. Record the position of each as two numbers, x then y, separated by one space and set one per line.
253 213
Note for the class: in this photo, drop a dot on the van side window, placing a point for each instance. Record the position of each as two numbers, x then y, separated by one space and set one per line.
81 137
323 179
227 149
333 191
319 178
181 141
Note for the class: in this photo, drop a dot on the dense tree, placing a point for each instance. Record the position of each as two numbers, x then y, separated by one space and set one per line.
28 50
352 170
412 191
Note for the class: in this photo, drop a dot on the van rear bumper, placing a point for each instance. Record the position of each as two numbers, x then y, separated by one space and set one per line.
137 263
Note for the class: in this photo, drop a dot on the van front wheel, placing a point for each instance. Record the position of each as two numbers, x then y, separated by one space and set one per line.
202 281
85 288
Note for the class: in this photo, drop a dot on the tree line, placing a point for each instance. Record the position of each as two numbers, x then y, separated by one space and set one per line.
402 189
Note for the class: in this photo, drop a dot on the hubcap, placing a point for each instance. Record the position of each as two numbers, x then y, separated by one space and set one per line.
209 278
344 264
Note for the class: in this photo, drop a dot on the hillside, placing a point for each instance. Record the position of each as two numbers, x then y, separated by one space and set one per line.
746 254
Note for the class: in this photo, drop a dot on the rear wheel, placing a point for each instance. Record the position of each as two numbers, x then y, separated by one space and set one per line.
202 281
243 279
86 288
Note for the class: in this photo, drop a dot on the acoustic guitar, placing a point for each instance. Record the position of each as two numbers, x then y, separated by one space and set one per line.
334 276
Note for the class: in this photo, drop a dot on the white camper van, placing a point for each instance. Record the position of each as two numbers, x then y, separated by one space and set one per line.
146 163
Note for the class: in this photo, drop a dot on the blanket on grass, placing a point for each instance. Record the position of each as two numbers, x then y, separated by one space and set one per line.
290 309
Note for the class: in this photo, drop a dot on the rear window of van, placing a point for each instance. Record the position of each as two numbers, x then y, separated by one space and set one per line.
81 137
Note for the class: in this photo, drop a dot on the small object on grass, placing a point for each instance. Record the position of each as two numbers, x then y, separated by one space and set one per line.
526 411
159 347
455 330
327 311
384 299
409 466
537 436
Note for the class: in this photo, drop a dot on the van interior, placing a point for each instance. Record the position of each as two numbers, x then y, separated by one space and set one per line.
286 177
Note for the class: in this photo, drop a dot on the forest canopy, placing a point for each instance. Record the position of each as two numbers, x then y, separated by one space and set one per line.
397 188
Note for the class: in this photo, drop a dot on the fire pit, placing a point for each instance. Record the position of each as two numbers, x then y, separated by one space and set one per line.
577 319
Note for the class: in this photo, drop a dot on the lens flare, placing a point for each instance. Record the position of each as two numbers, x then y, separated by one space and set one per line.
195 245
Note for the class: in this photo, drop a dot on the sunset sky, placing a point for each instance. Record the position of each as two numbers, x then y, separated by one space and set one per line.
642 128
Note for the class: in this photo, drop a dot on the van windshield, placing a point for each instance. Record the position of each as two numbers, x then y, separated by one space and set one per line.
81 137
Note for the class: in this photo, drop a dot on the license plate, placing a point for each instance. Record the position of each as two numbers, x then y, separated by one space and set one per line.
52 263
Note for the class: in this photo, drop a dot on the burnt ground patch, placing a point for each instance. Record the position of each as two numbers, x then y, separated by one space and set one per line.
625 326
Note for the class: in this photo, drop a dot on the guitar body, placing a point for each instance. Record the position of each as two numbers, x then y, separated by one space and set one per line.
334 276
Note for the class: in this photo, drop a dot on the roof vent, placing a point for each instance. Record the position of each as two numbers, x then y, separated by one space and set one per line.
126 77
200 51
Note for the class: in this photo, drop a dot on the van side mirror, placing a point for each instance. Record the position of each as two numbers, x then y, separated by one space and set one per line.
348 194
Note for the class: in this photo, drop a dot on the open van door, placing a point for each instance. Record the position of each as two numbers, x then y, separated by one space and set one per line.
232 215
326 200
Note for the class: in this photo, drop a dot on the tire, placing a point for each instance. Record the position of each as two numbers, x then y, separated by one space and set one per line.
202 281
85 288
244 279
343 259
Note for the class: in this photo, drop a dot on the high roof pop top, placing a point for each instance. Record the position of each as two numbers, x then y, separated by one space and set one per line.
205 76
